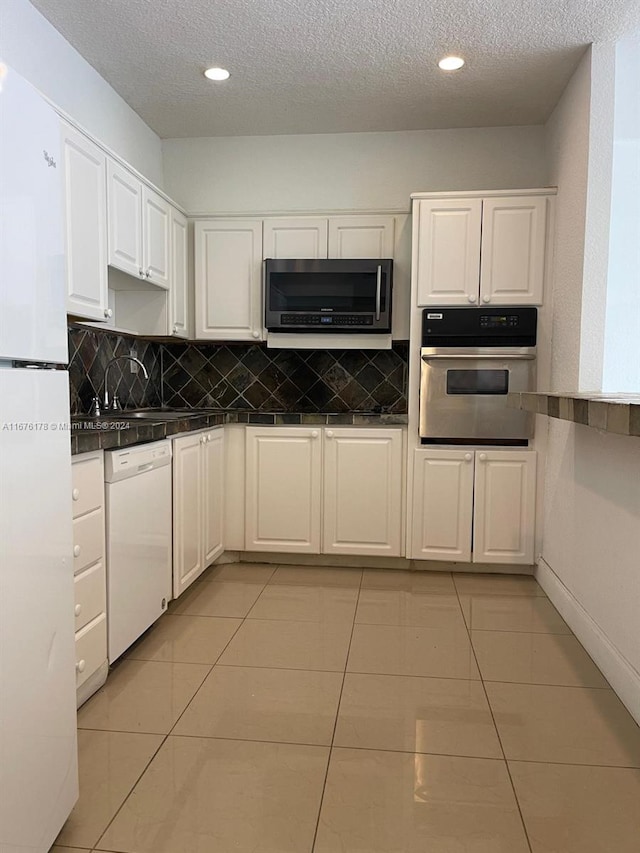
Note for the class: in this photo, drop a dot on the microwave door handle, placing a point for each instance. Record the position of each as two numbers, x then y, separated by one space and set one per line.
491 356
378 290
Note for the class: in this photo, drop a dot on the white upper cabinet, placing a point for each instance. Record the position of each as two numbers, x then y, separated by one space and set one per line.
442 511
85 169
139 228
295 238
481 251
513 250
504 507
125 220
361 236
156 242
448 252
178 323
362 492
228 279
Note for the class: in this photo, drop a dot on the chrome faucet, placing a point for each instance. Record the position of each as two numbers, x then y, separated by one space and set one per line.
114 404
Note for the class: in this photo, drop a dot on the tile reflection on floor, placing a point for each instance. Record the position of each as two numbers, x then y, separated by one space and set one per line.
290 709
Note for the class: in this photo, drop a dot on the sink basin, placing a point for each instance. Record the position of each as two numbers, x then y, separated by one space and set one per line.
154 414
149 415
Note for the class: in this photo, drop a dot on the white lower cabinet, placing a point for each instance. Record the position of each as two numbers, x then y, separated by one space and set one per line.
314 490
283 476
362 492
473 506
504 511
90 581
198 488
442 505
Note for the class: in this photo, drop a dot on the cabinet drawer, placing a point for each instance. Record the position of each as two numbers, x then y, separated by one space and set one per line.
91 648
88 485
90 594
88 540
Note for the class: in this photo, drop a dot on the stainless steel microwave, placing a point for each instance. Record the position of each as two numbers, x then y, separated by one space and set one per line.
334 295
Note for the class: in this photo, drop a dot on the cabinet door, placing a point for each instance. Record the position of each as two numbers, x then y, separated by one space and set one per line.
85 196
124 193
213 476
442 505
283 481
188 561
448 252
228 286
295 238
178 298
361 236
156 237
362 491
513 250
504 511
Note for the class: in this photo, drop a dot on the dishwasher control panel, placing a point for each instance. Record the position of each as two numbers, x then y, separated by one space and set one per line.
128 461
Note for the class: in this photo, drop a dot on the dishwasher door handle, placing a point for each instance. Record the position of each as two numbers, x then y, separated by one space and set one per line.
146 467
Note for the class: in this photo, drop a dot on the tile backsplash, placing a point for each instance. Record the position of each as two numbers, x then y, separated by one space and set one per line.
237 376
250 376
89 353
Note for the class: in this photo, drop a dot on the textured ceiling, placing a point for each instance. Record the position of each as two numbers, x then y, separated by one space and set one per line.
328 66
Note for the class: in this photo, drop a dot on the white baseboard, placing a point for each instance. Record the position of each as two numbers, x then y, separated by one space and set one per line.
623 677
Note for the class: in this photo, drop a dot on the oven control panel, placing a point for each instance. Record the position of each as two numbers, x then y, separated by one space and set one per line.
477 327
499 321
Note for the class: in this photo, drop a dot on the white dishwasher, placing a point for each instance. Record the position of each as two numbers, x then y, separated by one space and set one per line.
139 540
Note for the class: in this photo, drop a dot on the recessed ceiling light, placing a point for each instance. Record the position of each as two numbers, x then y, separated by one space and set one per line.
217 73
451 63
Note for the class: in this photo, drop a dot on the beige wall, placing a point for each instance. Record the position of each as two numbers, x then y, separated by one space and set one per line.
347 171
590 562
37 51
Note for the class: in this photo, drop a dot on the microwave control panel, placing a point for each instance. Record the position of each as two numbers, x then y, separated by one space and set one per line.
326 320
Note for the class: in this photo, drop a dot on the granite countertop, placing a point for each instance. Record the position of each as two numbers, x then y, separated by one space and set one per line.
119 431
618 413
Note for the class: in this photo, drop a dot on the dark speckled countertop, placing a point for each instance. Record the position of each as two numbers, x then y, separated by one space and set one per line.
118 431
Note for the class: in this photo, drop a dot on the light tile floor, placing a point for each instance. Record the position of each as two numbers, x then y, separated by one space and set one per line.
290 710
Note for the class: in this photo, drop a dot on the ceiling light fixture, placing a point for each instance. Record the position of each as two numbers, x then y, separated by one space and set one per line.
451 63
217 74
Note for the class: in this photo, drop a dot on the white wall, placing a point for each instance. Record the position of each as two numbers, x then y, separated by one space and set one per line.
590 563
622 335
37 51
348 171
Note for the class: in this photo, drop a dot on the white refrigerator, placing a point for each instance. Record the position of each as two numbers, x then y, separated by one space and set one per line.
38 755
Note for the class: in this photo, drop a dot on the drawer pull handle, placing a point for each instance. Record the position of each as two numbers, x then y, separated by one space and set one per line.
81 665
329 433
467 457
75 494
78 609
483 457
76 550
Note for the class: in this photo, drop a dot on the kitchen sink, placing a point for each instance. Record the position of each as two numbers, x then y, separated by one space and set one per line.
154 414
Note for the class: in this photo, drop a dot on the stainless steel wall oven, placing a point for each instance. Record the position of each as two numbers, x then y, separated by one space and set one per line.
471 358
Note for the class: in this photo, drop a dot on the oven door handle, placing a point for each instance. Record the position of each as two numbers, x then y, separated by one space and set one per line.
489 357
378 290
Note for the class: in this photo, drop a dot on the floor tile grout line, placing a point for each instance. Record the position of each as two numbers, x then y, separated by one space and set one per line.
493 719
164 740
120 807
335 724
368 749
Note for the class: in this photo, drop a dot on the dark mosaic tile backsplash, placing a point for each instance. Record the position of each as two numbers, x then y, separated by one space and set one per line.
89 353
238 376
